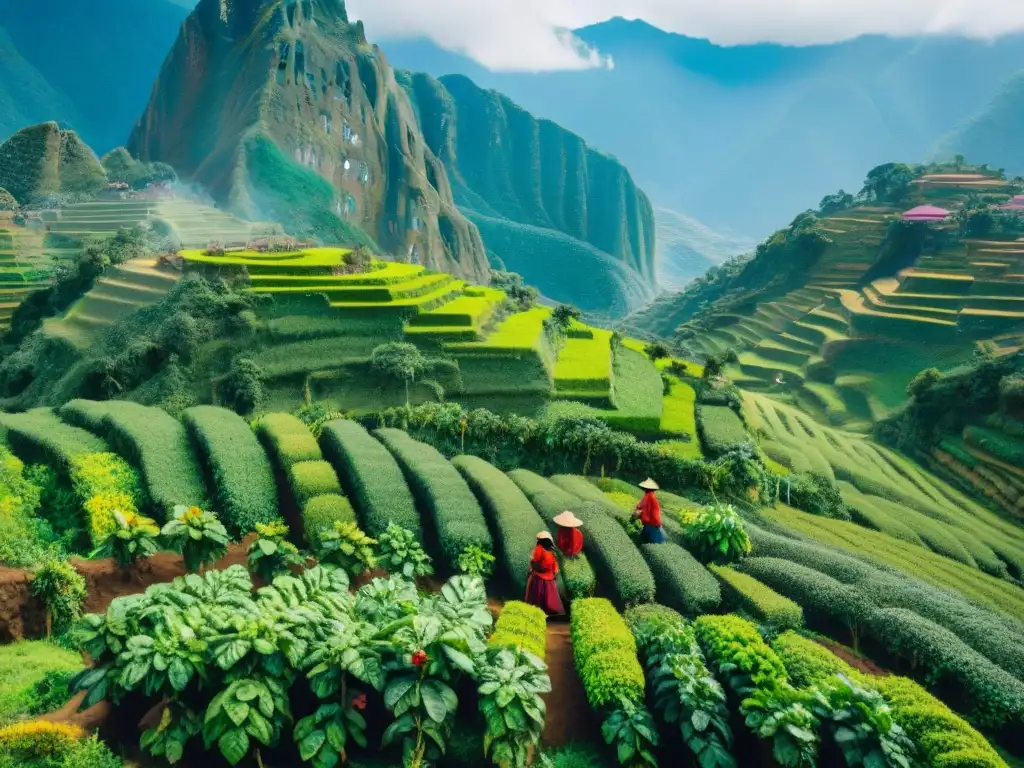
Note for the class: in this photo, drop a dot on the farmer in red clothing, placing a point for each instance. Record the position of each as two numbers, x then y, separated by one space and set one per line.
541 587
649 511
570 540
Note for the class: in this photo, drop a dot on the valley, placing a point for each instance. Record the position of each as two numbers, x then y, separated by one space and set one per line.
295 387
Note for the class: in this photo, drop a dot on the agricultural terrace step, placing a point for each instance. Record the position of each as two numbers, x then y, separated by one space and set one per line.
874 301
340 293
421 303
519 332
853 302
773 349
755 365
441 334
471 311
793 341
816 334
825 318
130 291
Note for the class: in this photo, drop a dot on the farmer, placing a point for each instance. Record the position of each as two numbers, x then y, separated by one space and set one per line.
570 540
649 511
541 587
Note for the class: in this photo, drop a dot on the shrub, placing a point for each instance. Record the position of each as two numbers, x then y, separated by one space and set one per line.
760 601
510 512
474 561
197 535
62 590
521 626
34 676
308 479
944 738
239 470
807 662
24 534
720 428
271 554
287 438
682 582
510 685
91 753
320 513
105 483
25 743
372 478
607 546
718 534
347 547
400 552
739 652
38 435
442 491
134 537
577 576
996 697
605 653
158 443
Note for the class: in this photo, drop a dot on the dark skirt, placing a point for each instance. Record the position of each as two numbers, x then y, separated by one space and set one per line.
544 595
652 534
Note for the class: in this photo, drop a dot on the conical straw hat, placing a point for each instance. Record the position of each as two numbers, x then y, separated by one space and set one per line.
649 485
545 535
568 520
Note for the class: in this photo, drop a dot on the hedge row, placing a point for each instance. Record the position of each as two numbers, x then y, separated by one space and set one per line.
236 465
154 441
996 637
605 653
440 489
371 476
39 436
312 481
682 582
510 512
739 653
944 738
759 600
608 546
521 626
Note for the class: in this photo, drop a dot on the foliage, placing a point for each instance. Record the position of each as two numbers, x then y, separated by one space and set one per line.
763 603
34 677
605 654
134 537
923 381
320 513
521 626
441 490
372 477
717 533
288 439
720 428
400 552
888 183
474 561
808 662
520 296
511 682
309 479
104 482
836 202
816 494
782 713
24 536
24 744
348 548
510 511
631 729
242 477
399 360
197 535
743 660
681 581
685 692
271 554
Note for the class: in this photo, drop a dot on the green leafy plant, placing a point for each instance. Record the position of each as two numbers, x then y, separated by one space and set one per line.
631 729
475 561
717 533
177 725
272 554
510 686
347 547
62 590
861 725
134 536
248 708
783 714
400 552
197 535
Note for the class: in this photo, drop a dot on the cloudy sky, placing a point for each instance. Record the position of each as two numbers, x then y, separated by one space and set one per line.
529 34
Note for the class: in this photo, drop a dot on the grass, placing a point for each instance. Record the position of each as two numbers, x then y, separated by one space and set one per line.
464 311
156 443
519 332
585 364
304 259
34 675
678 416
759 600
1004 447
236 465
39 436
720 428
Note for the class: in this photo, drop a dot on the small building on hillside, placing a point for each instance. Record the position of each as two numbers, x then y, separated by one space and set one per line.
926 213
1015 204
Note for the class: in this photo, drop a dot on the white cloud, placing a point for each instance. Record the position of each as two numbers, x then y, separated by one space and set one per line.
530 34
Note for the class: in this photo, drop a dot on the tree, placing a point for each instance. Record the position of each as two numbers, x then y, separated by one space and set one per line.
958 161
242 388
399 360
1011 394
563 315
715 364
888 183
923 381
359 258
521 296
7 201
838 201
655 350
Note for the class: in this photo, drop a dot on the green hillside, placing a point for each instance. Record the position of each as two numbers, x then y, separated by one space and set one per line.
990 134
26 98
533 188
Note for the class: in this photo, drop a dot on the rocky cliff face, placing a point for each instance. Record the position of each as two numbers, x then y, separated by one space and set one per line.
281 107
509 168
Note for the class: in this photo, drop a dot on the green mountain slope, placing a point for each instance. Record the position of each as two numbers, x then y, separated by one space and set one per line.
26 97
994 133
518 178
687 248
45 160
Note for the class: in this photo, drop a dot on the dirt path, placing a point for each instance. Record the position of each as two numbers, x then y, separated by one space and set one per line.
569 715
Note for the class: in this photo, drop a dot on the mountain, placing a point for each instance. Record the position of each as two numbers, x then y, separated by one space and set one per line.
739 137
687 248
96 63
26 98
295 117
567 217
993 135
46 160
